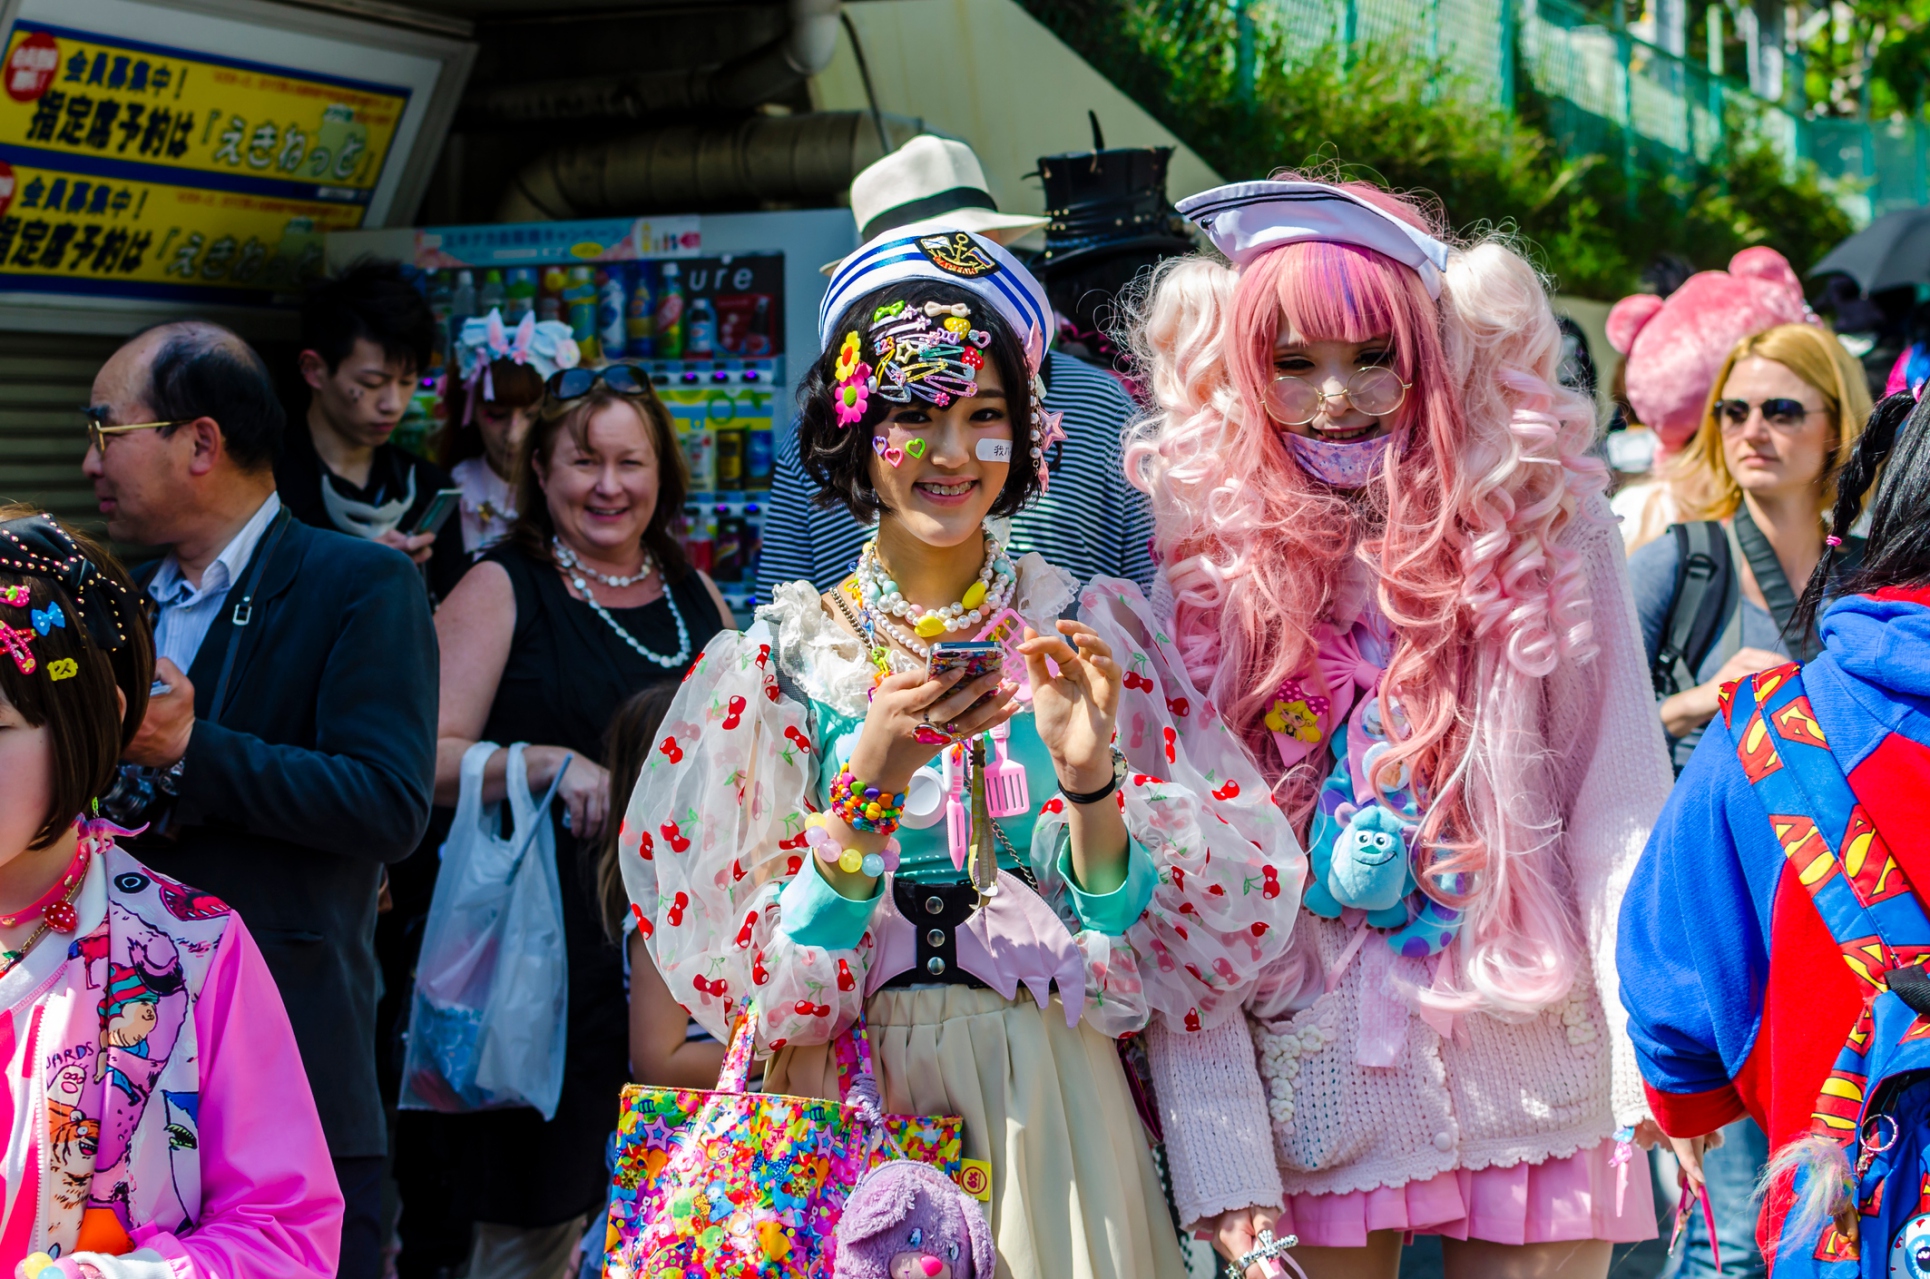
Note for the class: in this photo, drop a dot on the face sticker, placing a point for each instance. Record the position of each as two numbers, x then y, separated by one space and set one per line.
878 443
915 447
995 450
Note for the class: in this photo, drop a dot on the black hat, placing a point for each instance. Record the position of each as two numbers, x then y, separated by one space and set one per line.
1108 202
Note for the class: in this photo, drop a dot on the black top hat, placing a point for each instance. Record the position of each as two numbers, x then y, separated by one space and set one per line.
1108 202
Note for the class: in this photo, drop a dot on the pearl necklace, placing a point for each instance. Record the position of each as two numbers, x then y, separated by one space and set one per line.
882 599
566 558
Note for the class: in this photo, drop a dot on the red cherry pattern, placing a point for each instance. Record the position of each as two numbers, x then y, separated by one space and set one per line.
1178 706
845 980
1270 882
770 689
644 926
1134 679
1192 1019
1229 791
671 751
1053 805
796 737
675 835
1258 928
759 973
744 933
793 864
1172 756
763 656
678 906
734 712
805 1008
646 846
709 986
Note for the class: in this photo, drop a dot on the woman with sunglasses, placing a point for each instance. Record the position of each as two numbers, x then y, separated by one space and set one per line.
588 600
1758 477
1393 571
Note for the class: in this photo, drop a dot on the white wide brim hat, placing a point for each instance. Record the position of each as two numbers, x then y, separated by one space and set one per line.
930 178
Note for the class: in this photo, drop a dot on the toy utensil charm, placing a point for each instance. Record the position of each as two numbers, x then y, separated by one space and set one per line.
1267 1253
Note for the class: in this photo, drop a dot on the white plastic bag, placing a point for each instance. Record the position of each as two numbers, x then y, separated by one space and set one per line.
487 1025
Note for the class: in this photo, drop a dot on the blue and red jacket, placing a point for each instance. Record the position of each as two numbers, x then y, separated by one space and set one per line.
1738 999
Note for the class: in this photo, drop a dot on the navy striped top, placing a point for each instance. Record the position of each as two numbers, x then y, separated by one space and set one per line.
1091 523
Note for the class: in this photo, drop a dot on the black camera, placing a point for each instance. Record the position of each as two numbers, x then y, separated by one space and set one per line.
140 795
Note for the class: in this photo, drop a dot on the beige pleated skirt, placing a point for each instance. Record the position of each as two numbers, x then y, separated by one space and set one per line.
1074 1191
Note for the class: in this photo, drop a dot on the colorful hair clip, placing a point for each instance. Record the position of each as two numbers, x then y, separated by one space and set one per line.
18 596
1832 540
46 619
15 643
960 310
62 668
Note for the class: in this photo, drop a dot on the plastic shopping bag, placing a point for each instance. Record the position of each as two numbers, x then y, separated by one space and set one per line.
486 1027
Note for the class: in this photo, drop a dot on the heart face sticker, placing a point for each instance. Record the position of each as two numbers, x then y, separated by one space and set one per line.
915 447
894 455
878 445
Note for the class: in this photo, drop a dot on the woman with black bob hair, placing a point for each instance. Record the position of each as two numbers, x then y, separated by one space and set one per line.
800 844
1733 933
163 1126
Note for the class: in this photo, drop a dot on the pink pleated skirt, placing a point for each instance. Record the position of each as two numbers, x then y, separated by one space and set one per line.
1555 1201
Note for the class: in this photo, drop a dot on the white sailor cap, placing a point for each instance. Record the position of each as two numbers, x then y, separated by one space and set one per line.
1245 219
936 250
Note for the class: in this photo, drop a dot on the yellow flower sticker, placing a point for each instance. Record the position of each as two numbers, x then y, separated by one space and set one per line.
848 355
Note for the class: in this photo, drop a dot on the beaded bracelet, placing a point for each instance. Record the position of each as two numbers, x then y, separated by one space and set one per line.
849 860
865 808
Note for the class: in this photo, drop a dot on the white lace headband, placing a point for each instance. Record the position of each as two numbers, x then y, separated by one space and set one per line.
1245 219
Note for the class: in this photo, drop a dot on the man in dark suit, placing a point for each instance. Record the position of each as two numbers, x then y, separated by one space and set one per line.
298 728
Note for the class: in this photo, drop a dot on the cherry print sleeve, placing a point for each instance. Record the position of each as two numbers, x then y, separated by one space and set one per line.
1226 869
713 834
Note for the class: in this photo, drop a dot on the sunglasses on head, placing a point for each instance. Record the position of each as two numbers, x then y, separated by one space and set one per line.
574 384
1781 412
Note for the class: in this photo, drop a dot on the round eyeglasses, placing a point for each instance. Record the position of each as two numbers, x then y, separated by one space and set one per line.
1375 390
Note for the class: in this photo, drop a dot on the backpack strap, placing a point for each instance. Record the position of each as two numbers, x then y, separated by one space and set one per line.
1840 858
1705 595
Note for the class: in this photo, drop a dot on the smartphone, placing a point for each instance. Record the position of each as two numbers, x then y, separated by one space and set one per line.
437 513
974 657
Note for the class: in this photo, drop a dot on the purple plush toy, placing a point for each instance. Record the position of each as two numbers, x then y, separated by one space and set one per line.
907 1220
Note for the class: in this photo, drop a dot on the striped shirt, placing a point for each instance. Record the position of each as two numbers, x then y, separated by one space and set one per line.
1091 523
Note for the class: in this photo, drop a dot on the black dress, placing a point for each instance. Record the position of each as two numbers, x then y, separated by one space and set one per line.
566 675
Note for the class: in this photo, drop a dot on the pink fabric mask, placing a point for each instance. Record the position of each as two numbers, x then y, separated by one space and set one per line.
1345 466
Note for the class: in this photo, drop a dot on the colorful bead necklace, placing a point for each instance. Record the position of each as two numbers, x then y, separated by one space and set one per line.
55 909
883 600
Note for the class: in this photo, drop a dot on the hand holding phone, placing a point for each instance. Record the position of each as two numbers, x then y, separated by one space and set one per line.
437 513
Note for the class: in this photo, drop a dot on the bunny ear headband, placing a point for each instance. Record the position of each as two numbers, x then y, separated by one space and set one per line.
545 346
1245 219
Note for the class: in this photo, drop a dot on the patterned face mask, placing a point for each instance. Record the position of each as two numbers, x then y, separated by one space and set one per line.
1345 466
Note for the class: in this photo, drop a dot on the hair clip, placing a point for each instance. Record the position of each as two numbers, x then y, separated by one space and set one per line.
1832 540
962 310
18 596
46 619
15 643
62 668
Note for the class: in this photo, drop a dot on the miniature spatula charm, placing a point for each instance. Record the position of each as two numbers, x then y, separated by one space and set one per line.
1006 792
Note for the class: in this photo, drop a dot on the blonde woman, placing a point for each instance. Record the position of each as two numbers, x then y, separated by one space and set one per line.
1716 592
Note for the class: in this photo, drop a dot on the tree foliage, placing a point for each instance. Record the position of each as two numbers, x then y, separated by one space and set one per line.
1591 219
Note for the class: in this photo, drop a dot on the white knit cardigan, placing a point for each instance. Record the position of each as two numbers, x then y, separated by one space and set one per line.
1257 1108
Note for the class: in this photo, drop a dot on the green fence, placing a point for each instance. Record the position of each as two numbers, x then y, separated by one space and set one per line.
1610 93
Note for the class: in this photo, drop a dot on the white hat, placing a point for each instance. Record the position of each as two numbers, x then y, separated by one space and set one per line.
939 250
930 177
1245 219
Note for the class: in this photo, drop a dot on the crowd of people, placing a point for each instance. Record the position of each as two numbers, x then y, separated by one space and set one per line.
1336 828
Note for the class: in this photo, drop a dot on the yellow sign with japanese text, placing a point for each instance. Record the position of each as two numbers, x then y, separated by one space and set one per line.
76 228
135 170
81 94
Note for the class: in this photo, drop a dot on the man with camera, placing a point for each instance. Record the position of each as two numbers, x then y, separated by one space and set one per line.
289 750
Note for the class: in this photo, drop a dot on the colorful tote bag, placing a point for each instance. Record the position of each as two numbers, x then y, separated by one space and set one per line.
733 1184
1869 1135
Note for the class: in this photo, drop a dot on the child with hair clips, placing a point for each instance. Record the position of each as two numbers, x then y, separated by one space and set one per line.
1759 953
1388 561
803 843
161 1126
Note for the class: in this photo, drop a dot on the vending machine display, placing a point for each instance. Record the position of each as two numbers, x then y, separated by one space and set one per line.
709 329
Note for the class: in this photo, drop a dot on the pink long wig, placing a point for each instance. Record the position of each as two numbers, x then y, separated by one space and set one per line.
1488 465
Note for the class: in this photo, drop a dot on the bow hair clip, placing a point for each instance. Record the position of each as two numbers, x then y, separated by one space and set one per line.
45 619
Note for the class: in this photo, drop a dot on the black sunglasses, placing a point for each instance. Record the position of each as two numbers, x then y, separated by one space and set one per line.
574 384
1785 413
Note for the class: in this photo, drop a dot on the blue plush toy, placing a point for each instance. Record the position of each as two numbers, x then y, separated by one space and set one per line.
1369 870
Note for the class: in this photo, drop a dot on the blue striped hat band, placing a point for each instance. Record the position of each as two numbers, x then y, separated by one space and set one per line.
935 251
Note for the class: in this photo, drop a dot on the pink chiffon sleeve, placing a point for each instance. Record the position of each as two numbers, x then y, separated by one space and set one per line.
269 1201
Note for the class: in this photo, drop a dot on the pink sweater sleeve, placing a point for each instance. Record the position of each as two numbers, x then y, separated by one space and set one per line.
270 1206
1219 1139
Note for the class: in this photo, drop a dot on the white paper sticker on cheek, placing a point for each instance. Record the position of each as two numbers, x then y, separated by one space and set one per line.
995 450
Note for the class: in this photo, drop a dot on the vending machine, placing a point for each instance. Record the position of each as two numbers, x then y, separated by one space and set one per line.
721 309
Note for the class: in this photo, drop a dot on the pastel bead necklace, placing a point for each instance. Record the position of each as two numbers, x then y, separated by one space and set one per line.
883 600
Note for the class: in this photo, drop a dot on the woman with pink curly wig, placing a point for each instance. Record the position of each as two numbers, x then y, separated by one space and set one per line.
1389 559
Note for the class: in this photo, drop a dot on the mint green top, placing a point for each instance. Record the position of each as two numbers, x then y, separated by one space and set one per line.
815 914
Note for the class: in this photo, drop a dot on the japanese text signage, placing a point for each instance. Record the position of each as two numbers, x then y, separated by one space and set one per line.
137 170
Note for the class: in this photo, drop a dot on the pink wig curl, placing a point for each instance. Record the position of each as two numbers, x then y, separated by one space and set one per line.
1488 466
